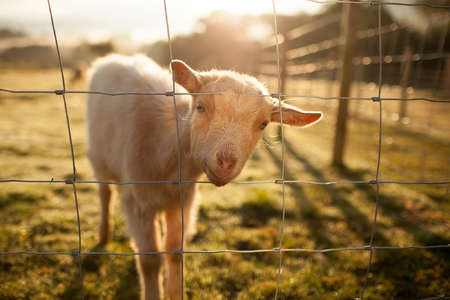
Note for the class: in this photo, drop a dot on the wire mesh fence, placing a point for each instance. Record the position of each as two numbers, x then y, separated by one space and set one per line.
282 180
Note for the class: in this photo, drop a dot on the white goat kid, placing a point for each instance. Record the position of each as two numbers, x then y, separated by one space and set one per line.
133 137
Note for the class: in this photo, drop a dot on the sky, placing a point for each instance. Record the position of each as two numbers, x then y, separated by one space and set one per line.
140 20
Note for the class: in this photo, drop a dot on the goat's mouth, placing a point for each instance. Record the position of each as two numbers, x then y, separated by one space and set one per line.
216 180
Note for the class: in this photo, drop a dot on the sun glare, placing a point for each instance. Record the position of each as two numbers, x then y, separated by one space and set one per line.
261 7
143 20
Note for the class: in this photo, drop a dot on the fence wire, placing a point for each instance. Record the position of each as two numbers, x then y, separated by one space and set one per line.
380 2
280 250
74 170
180 186
274 95
283 161
380 137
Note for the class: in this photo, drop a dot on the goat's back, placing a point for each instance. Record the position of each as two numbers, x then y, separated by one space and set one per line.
128 132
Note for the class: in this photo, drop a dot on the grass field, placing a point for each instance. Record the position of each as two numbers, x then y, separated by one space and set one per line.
42 217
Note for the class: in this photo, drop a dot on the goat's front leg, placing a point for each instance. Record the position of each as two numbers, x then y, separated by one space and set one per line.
144 229
173 243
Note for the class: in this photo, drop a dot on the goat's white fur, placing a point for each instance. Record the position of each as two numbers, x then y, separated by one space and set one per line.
133 137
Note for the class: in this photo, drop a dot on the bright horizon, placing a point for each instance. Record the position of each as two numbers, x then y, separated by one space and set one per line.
138 20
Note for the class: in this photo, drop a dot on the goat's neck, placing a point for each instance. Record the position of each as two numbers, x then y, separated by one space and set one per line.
190 168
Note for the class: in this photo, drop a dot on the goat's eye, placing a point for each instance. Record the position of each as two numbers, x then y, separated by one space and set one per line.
264 124
200 107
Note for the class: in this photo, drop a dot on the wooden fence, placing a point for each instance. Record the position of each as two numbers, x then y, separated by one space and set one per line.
350 57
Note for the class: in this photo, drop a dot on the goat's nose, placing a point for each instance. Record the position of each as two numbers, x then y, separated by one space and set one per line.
225 161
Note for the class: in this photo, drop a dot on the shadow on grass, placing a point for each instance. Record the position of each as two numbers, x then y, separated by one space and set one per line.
15 150
409 266
15 198
103 268
400 215
92 263
73 289
355 219
128 287
416 266
308 211
258 209
411 274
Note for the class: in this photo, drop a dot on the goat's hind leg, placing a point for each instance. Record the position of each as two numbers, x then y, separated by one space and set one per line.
104 192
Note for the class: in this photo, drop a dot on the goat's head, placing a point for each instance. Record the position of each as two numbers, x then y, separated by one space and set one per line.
225 127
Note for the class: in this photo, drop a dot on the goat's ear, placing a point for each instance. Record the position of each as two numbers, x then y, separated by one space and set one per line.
185 76
294 116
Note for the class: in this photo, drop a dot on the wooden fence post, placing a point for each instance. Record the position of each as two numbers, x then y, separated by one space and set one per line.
406 71
283 66
283 71
360 80
348 28
441 51
446 80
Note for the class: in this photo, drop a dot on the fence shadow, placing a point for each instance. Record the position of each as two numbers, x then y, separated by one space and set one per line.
409 263
391 206
355 219
308 212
